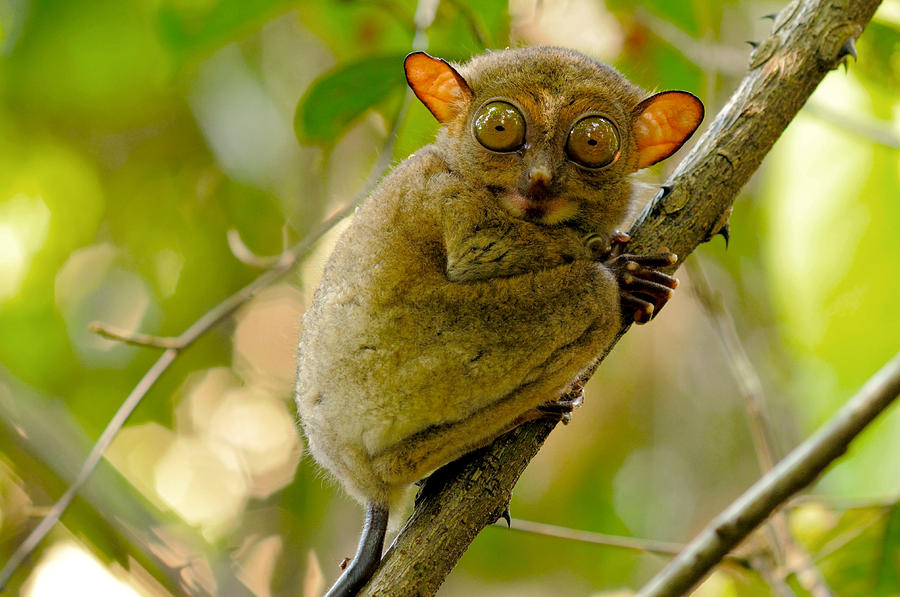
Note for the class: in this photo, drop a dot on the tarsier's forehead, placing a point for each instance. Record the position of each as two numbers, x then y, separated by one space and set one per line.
553 87
549 72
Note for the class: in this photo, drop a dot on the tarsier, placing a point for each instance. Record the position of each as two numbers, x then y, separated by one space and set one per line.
484 274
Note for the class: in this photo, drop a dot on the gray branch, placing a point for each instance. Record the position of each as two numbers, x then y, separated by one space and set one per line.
797 470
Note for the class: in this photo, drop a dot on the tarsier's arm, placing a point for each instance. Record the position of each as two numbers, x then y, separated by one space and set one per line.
494 249
488 249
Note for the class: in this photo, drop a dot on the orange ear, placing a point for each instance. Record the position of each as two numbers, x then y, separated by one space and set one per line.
437 84
663 122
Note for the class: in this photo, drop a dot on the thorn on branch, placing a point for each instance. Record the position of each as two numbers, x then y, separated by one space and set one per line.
848 49
664 191
725 231
133 338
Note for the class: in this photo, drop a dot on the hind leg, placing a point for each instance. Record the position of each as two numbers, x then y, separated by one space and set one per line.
415 456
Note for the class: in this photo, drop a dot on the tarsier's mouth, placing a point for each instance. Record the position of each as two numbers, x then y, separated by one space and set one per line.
545 211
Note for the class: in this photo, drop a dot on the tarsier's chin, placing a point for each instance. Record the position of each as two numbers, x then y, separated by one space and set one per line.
482 276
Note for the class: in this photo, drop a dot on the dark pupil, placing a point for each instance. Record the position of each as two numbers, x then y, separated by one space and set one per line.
592 142
499 127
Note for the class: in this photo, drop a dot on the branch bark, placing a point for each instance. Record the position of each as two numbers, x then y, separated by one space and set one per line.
809 38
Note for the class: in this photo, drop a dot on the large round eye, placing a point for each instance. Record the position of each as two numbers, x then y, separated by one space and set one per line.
499 126
593 142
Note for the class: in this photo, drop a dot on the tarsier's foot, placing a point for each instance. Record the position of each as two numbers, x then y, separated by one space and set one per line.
562 408
643 289
555 410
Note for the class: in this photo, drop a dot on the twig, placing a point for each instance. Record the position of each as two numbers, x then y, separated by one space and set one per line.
763 564
132 338
841 503
876 131
731 62
798 469
708 56
851 534
174 346
481 36
662 548
786 549
40 427
742 368
243 253
93 459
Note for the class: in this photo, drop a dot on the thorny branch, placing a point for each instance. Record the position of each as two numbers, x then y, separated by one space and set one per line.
809 39
729 61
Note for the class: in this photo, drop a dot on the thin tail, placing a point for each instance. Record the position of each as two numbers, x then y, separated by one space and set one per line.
368 553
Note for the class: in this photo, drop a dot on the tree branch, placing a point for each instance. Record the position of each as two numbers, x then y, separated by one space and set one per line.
809 39
800 468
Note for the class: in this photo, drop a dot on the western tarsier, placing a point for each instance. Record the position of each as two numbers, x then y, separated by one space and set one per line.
484 274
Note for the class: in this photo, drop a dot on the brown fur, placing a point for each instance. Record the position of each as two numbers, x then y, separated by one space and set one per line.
442 317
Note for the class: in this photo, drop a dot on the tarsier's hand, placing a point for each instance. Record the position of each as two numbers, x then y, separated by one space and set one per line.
642 289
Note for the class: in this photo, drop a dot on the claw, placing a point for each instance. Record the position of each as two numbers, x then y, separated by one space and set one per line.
562 408
620 237
506 516
772 16
664 191
752 44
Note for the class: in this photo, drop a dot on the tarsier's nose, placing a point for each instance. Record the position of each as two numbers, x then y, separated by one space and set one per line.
539 178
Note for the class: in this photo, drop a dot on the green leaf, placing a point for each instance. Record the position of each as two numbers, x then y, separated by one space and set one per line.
188 28
466 27
340 96
360 28
888 570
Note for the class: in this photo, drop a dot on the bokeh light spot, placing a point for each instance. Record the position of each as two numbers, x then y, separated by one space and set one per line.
265 339
90 288
204 485
24 222
261 431
67 569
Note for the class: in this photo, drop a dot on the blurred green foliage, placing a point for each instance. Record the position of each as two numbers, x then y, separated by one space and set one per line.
135 135
340 97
